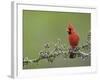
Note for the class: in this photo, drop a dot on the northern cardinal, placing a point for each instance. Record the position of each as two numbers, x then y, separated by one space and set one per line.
73 37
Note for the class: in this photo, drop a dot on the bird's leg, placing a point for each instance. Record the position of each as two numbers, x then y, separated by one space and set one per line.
72 52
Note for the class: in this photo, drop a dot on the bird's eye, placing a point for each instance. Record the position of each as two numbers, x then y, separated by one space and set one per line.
69 29
69 32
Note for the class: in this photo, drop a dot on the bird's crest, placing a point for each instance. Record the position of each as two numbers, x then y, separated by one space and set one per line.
70 28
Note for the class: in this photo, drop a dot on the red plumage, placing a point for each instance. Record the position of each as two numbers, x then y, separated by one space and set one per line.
72 36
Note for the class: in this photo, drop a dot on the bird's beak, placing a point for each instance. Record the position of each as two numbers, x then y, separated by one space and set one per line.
67 30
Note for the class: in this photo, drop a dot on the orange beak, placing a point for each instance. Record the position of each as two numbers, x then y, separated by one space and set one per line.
67 30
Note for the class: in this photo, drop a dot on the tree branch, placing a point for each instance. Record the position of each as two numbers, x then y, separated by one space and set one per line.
60 49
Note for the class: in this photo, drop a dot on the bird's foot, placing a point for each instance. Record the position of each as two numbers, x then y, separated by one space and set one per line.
72 52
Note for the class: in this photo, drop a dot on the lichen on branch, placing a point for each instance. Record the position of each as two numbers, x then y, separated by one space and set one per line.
59 49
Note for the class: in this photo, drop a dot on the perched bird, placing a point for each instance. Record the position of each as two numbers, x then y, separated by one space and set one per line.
73 37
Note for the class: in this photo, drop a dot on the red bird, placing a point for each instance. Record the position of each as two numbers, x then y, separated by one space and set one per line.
73 39
72 36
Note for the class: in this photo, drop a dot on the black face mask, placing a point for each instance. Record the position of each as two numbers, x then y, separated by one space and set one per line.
69 32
